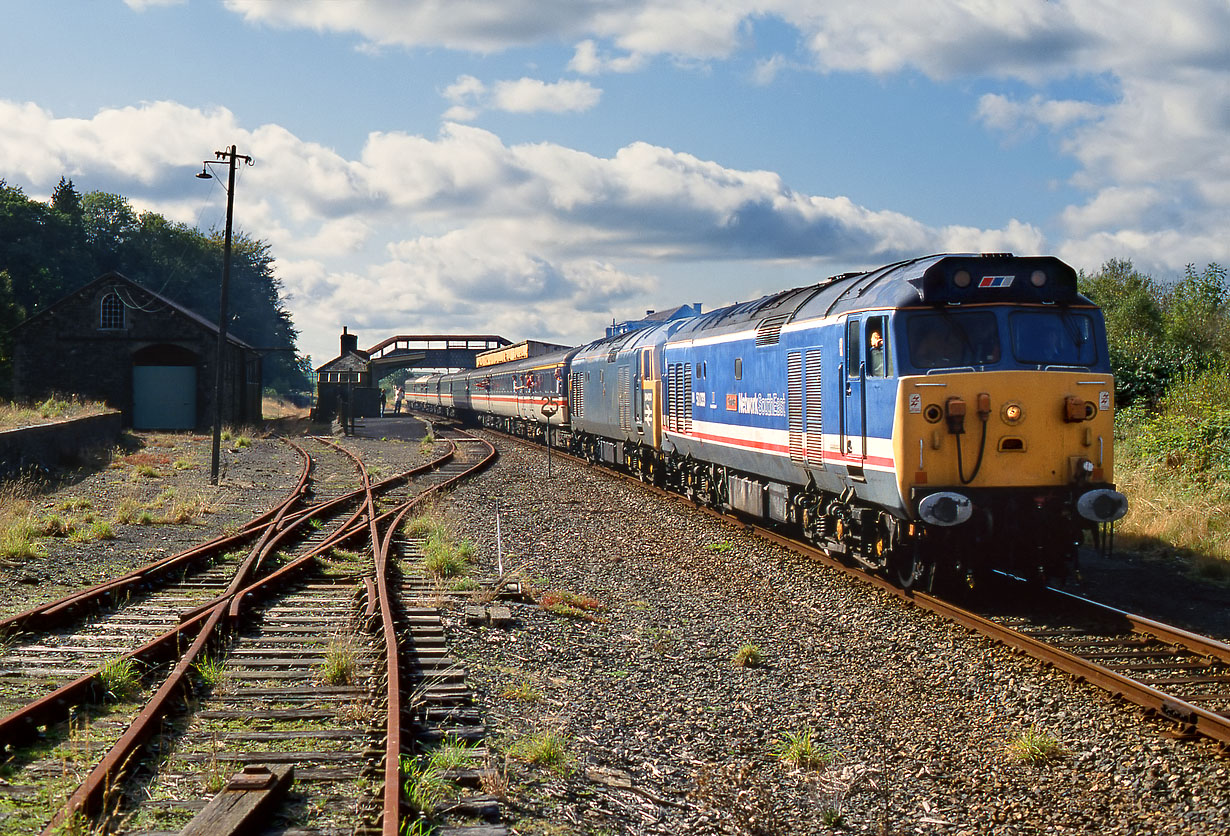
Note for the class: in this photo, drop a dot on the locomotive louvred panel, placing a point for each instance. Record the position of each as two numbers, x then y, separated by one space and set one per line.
794 403
625 398
815 437
576 393
672 387
687 398
681 398
770 329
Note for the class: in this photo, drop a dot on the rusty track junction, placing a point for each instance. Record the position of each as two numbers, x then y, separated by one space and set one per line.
1170 672
268 579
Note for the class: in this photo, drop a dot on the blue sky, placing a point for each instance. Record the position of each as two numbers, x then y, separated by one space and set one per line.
537 168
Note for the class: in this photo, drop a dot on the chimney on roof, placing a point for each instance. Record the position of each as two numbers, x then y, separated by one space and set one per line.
696 308
350 342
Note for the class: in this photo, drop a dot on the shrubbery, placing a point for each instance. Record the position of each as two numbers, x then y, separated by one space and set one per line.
1168 350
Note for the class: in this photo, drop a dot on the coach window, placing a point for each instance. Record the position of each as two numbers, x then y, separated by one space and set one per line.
738 368
877 347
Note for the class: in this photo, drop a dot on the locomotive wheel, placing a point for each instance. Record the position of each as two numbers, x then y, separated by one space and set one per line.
907 568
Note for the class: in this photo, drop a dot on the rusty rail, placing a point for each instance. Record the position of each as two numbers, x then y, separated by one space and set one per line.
203 625
63 610
1193 718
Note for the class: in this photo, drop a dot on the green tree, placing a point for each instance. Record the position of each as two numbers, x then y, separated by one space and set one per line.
11 314
66 200
1196 316
49 249
1128 298
110 226
1140 358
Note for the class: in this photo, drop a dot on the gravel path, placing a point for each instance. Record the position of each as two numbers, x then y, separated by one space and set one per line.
663 734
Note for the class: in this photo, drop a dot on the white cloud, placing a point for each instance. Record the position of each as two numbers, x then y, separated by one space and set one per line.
767 69
529 95
142 5
465 231
1017 119
587 59
470 97
479 26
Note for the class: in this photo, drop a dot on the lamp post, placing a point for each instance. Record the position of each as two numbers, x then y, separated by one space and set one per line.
232 157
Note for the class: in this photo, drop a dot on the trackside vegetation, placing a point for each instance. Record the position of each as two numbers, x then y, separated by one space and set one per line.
1169 345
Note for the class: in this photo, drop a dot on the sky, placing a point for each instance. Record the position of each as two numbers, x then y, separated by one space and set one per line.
540 168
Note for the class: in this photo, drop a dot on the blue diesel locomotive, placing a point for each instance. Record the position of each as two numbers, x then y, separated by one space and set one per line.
952 412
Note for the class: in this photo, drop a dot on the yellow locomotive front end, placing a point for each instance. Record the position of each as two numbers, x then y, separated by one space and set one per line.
1003 439
1004 429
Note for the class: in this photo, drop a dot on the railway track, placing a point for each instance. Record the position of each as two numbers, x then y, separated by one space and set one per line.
1170 672
276 650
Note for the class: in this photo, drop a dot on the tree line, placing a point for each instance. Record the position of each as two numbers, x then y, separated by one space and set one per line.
1161 334
48 250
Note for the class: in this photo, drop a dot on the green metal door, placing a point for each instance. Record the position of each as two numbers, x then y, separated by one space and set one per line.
163 397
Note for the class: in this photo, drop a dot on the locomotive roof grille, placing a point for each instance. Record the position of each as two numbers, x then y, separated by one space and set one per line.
769 329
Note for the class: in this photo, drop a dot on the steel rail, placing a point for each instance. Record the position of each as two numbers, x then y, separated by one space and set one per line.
392 799
346 530
90 796
1196 643
1195 719
21 725
55 613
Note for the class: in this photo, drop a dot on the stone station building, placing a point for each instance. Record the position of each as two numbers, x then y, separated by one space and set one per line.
154 360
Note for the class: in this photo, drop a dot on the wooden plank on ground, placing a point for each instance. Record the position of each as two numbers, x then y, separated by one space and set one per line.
238 807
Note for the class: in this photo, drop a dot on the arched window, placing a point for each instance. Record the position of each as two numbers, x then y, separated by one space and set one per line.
111 312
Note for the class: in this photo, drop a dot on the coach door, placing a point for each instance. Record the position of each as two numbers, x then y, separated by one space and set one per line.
648 405
854 402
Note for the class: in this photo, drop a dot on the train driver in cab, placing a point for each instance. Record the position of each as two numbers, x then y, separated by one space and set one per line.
875 351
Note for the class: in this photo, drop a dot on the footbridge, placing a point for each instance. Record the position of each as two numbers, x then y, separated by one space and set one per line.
348 384
429 351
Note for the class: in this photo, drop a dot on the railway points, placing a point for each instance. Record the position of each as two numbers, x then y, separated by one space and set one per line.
657 729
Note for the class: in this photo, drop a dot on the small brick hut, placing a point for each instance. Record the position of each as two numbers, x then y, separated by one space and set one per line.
347 380
116 341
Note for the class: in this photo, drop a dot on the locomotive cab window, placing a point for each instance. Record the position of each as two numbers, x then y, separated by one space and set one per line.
853 348
945 340
876 335
1053 338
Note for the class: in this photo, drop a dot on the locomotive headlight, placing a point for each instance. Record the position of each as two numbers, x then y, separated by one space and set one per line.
945 508
1012 413
1037 278
1102 505
961 278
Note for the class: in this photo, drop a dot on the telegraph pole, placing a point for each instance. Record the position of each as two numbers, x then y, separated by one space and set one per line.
232 158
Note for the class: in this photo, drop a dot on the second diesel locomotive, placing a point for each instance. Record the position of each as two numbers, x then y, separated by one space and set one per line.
951 413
